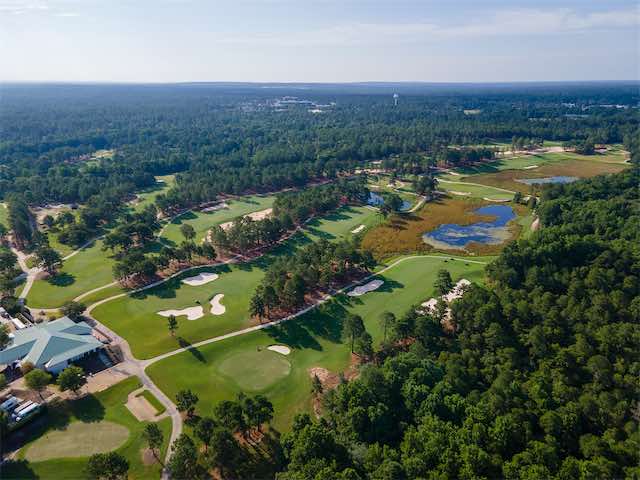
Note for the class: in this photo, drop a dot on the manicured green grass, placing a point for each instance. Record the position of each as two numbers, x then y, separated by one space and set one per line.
149 195
267 368
202 221
136 318
477 191
88 269
315 340
155 403
63 421
340 224
79 439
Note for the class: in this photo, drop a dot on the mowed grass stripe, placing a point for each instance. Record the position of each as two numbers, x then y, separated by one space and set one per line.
315 340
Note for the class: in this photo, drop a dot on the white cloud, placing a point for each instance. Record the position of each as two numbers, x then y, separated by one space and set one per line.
504 23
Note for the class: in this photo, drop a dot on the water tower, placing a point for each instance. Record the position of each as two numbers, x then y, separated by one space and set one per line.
395 99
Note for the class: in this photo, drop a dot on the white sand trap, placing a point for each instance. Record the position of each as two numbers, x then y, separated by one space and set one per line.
216 307
214 208
200 279
358 229
255 216
456 192
284 350
451 172
367 287
530 167
192 313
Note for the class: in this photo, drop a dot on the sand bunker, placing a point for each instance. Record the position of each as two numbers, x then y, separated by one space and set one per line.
530 167
214 208
367 287
192 313
200 279
216 307
284 350
141 408
456 192
255 216
358 229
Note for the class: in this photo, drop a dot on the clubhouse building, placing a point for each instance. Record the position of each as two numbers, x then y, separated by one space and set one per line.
51 346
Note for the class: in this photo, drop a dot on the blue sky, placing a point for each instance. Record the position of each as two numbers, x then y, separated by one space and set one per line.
318 41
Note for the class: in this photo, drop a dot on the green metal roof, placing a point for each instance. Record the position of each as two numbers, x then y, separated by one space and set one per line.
50 344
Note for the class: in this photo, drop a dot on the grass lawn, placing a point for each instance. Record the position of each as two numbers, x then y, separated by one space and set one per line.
71 431
340 224
476 191
573 168
155 403
221 370
136 318
148 196
203 221
88 269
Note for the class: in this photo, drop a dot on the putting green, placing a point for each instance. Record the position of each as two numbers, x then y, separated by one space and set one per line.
266 368
220 370
78 440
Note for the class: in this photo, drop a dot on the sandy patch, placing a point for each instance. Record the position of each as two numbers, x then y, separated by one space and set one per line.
200 279
530 167
219 206
358 229
535 225
52 209
282 349
141 408
496 200
192 313
147 456
216 307
255 216
451 172
456 192
367 287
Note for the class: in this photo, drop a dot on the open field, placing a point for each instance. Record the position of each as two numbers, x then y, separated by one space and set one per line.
63 437
341 223
148 196
476 191
203 221
90 268
216 372
402 234
572 168
136 317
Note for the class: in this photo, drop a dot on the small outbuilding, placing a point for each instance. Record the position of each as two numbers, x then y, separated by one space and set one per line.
51 346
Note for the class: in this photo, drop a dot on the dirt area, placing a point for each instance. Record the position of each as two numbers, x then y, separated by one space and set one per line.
147 457
53 209
140 407
331 380
255 216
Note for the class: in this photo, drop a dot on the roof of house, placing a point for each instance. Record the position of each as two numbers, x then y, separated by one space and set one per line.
50 344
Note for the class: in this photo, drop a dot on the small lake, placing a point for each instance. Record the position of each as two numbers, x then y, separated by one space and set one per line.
376 200
452 235
541 181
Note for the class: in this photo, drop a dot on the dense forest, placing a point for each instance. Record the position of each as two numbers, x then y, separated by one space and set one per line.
539 380
231 139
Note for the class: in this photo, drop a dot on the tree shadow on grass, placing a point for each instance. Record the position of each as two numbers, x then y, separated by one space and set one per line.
17 469
293 334
192 350
189 215
63 279
320 233
88 409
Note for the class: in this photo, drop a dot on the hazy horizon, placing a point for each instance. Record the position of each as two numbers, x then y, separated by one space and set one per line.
330 41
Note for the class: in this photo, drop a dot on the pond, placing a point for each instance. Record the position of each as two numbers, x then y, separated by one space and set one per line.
452 235
376 200
540 181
